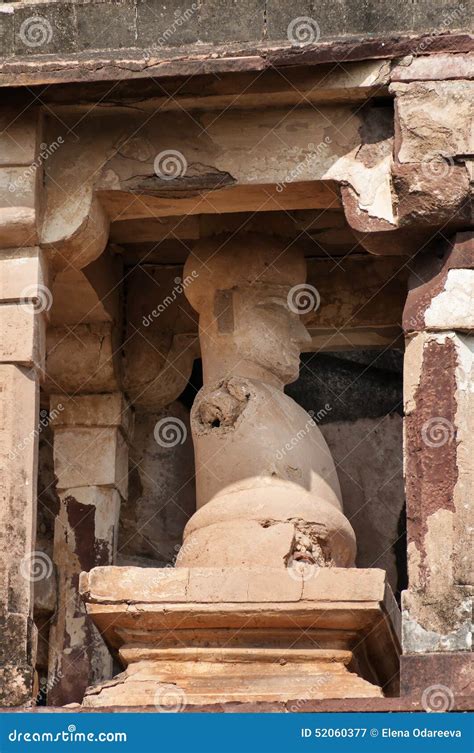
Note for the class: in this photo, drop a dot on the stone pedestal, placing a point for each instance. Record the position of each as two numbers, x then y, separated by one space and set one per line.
205 635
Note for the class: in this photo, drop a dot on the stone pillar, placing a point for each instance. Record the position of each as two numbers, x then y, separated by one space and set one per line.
91 465
24 301
439 468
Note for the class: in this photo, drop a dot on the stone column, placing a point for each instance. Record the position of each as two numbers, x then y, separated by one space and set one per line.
439 468
91 465
24 301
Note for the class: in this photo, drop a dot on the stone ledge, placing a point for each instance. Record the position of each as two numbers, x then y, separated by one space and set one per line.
131 63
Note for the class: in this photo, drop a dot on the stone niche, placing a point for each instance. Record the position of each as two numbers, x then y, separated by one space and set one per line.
263 601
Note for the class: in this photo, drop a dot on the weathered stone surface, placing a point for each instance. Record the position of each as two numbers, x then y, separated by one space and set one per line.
438 469
162 493
351 601
23 335
85 536
92 411
441 293
91 457
368 457
18 144
18 567
23 275
434 68
82 359
434 120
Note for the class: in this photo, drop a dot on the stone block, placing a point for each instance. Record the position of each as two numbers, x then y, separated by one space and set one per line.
18 186
235 22
116 583
18 131
82 359
24 276
281 14
7 34
434 121
90 515
162 24
110 24
48 28
91 457
92 411
443 15
22 335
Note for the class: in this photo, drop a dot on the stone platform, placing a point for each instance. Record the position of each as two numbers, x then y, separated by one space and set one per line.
206 635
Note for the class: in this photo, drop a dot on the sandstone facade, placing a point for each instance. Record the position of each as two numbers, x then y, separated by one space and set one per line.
291 181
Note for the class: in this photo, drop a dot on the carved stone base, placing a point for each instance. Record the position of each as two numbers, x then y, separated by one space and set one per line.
206 636
171 679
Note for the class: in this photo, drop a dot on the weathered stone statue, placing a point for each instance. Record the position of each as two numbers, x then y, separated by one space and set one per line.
267 489
264 603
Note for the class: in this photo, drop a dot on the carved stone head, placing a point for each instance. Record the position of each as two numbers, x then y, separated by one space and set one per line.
240 287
